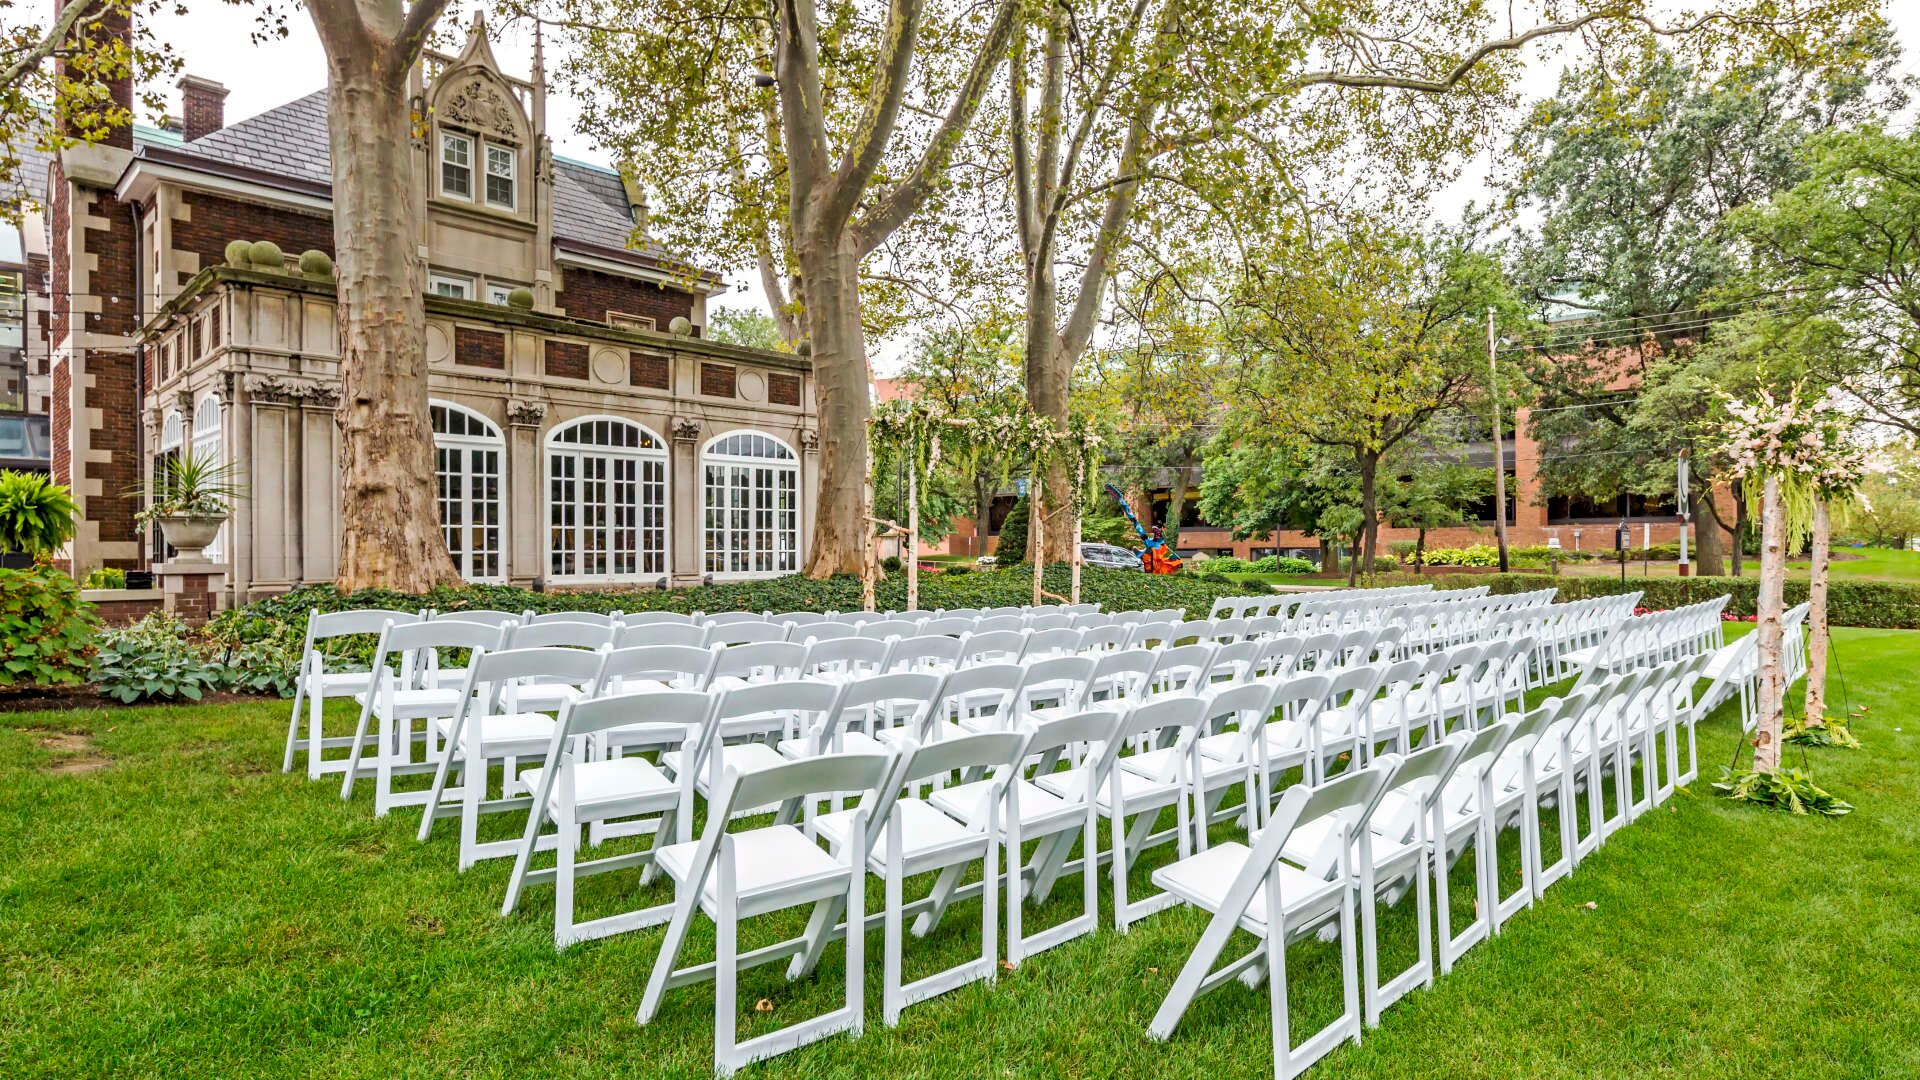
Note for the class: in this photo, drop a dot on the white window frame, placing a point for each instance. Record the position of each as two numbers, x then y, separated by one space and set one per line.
497 292
467 142
730 550
511 176
435 279
569 464
469 451
204 442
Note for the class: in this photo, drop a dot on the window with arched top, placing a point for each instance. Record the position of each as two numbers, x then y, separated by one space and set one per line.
173 440
752 496
204 447
173 431
606 500
468 452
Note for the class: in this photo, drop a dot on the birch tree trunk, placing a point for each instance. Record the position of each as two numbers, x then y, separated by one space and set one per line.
389 512
912 554
1037 516
1817 613
1769 608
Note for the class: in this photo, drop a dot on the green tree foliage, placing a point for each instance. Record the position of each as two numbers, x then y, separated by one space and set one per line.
1848 238
1013 535
745 326
1356 340
1633 166
974 371
1889 511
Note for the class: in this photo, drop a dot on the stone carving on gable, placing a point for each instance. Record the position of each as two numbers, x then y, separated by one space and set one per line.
477 102
810 441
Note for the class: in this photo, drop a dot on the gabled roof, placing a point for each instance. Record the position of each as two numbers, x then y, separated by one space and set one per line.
289 143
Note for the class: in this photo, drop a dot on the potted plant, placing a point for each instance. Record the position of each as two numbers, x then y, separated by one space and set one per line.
36 516
190 498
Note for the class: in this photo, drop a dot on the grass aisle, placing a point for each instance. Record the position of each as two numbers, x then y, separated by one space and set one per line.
171 905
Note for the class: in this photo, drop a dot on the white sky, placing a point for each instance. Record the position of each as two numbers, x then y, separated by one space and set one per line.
215 43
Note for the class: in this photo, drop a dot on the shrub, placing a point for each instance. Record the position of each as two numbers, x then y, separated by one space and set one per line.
36 514
1403 549
958 568
1870 604
891 564
45 629
1013 535
1224 564
152 660
106 577
1477 555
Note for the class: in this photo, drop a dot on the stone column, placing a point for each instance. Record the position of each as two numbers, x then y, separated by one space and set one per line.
525 475
809 484
686 502
191 588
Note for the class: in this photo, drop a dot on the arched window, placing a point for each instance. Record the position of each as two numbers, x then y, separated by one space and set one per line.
173 438
204 447
752 486
606 500
173 432
467 452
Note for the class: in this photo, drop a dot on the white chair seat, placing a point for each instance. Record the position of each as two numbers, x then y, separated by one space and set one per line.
924 831
414 703
1161 762
1283 738
335 683
1204 879
1457 807
968 803
507 733
543 697
768 861
1582 657
1071 785
599 785
1309 837
851 742
740 757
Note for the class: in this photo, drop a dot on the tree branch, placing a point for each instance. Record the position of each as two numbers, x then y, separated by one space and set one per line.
886 88
899 204
29 61
412 37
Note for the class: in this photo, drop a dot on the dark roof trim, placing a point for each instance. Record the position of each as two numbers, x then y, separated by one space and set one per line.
166 155
476 311
628 255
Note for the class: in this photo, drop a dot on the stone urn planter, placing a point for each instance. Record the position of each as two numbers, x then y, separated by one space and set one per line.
189 534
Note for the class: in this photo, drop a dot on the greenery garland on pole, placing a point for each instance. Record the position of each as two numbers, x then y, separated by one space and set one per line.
927 431
1796 459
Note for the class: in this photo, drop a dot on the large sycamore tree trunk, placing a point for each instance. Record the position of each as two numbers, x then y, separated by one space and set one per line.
837 216
1770 607
389 515
1817 635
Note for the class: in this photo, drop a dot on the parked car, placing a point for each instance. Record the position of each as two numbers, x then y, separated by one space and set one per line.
1109 556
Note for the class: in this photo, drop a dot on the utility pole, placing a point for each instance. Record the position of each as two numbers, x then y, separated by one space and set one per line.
1499 448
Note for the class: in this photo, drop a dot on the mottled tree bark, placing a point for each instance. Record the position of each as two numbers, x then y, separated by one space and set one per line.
1709 547
841 535
389 515
1817 635
1770 607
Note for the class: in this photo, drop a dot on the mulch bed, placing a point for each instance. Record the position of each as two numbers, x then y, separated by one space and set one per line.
55 698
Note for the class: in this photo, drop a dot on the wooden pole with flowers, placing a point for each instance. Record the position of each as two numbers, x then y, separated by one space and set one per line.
920 430
1796 459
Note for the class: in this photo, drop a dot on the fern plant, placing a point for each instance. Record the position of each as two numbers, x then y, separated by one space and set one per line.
36 514
1781 789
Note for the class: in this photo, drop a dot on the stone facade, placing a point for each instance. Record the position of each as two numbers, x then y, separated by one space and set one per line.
582 440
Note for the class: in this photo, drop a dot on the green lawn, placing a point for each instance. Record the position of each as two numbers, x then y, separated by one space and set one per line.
186 910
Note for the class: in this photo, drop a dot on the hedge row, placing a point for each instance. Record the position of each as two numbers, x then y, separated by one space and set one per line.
1114 590
1871 604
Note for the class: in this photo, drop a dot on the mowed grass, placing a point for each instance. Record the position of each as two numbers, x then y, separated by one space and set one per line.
187 910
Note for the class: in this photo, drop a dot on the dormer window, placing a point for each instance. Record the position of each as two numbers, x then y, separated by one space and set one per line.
500 171
456 165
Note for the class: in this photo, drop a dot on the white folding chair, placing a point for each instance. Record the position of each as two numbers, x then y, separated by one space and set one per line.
400 698
1253 889
569 792
734 876
911 837
315 684
481 732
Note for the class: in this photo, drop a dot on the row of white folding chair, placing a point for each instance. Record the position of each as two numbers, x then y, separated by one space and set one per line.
1372 833
1657 636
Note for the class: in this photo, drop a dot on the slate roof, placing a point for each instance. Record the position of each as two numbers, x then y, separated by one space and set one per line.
290 141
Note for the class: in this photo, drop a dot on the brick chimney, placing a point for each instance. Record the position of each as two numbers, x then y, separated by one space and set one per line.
203 106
